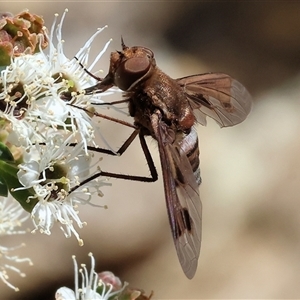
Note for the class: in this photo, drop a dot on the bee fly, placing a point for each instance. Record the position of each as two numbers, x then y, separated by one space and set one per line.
167 109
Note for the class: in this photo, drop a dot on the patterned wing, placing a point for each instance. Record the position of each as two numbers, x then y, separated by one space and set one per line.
182 196
218 96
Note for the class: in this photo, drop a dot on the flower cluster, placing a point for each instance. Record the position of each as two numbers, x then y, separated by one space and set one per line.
45 130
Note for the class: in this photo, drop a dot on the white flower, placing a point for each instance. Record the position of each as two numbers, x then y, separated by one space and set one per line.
52 170
91 288
10 219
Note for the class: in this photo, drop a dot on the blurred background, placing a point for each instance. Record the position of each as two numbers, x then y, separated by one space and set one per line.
250 172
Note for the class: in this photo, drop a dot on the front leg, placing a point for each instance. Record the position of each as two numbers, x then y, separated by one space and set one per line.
111 103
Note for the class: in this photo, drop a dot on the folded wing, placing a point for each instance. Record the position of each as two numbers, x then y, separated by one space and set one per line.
182 197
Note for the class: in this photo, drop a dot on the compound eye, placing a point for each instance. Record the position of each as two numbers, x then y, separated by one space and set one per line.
137 65
131 71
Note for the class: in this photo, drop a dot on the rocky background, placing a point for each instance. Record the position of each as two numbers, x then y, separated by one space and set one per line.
251 172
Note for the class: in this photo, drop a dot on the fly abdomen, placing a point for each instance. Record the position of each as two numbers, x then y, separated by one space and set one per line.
189 146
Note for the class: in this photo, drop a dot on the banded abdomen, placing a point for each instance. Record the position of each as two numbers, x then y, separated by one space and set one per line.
189 146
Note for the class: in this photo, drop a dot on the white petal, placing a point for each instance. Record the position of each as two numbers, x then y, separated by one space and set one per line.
65 293
43 217
21 133
53 110
28 173
80 166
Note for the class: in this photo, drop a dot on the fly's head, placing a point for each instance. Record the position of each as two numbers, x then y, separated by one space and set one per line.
129 67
